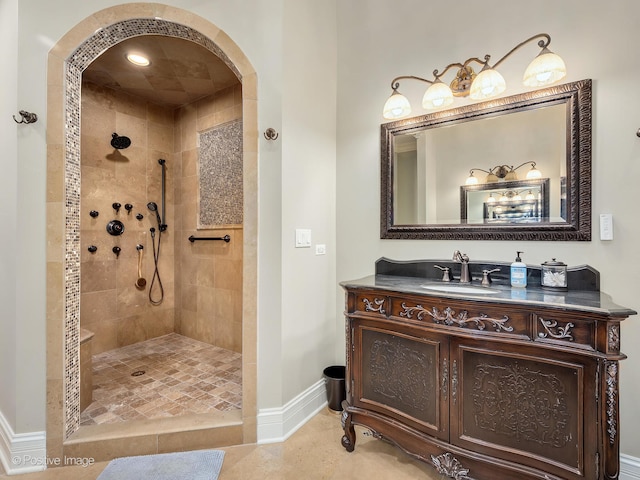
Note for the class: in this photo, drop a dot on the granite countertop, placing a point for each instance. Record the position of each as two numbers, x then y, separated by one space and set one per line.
577 300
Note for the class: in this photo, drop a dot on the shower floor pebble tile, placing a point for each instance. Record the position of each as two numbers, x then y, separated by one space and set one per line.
182 376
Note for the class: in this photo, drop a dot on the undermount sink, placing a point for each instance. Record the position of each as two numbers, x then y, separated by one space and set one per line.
470 289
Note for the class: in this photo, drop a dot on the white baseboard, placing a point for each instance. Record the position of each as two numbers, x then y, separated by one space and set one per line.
629 467
277 424
21 452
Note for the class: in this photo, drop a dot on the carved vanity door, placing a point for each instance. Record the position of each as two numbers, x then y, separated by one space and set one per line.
402 375
514 404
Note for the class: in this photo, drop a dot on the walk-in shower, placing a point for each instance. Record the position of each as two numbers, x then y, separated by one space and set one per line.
179 290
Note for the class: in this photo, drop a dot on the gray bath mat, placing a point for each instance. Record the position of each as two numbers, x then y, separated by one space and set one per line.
196 465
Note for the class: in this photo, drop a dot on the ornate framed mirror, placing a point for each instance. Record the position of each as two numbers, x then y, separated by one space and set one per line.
426 162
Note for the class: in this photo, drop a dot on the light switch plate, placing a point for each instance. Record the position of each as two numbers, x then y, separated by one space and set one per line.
606 226
303 238
321 249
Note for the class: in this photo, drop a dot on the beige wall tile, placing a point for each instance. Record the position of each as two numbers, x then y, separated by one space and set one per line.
55 232
160 137
98 276
55 316
190 163
134 127
98 306
55 173
108 449
55 429
199 439
130 330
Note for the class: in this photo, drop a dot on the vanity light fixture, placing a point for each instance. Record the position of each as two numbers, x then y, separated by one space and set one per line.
505 172
545 69
137 59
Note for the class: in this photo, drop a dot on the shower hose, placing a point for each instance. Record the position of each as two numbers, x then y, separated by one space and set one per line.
156 273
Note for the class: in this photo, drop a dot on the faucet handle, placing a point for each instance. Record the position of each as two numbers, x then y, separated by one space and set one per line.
445 273
486 280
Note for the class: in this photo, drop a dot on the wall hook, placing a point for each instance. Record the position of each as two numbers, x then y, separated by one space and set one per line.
27 117
270 134
638 132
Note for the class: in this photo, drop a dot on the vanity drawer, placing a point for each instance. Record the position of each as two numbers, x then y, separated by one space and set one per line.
372 303
458 315
564 329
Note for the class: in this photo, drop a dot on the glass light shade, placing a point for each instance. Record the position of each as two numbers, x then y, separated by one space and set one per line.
545 69
504 197
396 106
512 175
517 197
530 196
487 84
491 178
534 173
491 199
437 95
471 180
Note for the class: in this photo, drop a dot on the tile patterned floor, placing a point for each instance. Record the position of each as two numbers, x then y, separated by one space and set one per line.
181 376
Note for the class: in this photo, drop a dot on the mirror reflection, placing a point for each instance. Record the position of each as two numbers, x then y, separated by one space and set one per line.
432 165
442 172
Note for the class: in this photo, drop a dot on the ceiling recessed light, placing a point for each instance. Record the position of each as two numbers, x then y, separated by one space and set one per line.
138 59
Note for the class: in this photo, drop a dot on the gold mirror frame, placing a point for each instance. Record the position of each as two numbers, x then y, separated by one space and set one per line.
575 96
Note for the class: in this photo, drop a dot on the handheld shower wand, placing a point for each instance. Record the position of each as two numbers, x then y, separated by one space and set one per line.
153 207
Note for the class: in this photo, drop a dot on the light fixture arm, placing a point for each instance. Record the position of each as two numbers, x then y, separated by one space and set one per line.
533 165
395 83
542 44
480 170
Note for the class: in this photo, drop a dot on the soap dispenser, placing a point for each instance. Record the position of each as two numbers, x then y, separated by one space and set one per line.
518 272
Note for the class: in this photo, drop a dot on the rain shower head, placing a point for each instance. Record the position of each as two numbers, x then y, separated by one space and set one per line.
119 142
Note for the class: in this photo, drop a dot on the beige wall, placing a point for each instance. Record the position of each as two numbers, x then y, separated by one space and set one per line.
110 304
209 290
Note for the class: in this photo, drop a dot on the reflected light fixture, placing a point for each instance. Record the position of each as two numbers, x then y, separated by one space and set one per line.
504 172
137 59
545 69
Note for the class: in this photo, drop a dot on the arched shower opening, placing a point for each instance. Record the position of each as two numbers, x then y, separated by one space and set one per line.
63 406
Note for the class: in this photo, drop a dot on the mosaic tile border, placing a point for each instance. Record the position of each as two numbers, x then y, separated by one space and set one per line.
220 191
75 64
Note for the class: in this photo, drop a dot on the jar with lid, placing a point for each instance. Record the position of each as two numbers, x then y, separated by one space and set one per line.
554 275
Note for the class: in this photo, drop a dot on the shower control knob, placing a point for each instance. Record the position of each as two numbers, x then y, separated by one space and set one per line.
116 250
128 207
94 213
116 206
115 228
139 216
93 249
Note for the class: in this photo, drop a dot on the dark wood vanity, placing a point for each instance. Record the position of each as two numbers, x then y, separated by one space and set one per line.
514 384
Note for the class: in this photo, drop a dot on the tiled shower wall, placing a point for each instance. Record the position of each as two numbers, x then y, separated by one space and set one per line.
111 306
209 287
202 280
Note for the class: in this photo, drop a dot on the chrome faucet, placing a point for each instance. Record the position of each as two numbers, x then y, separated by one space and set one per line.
463 258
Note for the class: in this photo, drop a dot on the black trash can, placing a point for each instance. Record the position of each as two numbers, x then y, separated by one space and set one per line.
334 381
